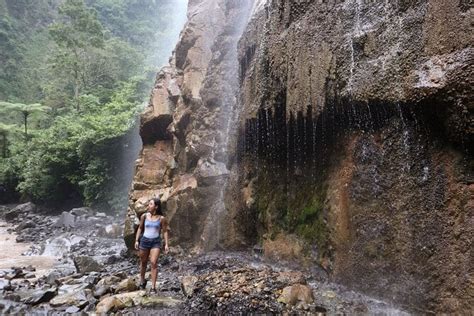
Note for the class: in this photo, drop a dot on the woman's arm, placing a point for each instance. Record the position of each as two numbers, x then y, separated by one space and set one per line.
139 230
165 233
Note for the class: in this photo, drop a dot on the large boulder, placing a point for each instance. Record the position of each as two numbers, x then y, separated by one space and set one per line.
110 231
66 220
81 211
72 295
77 298
41 296
85 264
137 298
20 211
106 285
296 294
127 285
24 225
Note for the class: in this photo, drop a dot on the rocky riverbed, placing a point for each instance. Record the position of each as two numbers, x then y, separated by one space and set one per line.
77 262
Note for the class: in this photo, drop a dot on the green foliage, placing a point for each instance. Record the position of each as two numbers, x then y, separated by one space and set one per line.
9 57
5 130
79 152
88 64
53 51
20 48
310 224
11 168
26 110
292 204
79 28
78 36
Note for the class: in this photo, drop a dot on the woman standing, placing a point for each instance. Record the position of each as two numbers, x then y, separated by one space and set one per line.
152 224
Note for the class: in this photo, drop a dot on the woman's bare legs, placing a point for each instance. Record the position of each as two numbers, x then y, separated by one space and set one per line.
144 253
154 254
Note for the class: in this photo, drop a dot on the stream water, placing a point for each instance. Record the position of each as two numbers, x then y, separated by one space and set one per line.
11 254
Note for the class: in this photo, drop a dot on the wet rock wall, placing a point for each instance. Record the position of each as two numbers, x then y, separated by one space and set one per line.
356 137
185 126
336 133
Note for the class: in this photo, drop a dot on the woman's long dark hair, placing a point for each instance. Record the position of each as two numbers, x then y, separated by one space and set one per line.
159 210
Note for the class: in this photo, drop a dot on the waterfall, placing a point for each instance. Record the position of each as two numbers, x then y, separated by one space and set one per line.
229 116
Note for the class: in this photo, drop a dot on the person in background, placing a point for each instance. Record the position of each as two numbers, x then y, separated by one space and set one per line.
153 225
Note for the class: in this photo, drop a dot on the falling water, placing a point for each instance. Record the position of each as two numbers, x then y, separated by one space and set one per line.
167 39
212 232
355 32
131 143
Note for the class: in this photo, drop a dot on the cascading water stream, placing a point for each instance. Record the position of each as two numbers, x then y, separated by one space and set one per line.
229 116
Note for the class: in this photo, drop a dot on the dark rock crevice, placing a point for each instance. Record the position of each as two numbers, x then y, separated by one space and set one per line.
156 130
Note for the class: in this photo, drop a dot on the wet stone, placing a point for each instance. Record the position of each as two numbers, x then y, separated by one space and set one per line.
86 264
25 225
15 273
113 259
4 284
296 294
41 296
72 310
27 208
101 290
15 297
75 295
110 231
81 211
66 220
53 278
127 285
92 279
109 280
188 284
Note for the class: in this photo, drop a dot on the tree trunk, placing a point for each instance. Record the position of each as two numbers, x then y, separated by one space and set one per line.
4 145
76 80
25 118
76 90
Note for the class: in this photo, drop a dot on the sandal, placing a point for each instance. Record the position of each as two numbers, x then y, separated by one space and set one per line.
143 285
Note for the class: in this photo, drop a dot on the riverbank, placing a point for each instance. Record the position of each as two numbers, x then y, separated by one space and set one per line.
11 254
78 262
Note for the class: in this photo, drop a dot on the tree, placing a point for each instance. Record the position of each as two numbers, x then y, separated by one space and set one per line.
77 33
26 110
5 129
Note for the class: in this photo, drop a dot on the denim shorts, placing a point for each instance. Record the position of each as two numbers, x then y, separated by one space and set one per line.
150 243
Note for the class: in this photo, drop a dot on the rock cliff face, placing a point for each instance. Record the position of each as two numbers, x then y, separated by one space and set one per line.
337 133
356 130
185 128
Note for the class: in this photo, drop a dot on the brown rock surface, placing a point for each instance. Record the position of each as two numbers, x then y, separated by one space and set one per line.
184 129
357 133
296 294
283 247
355 138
